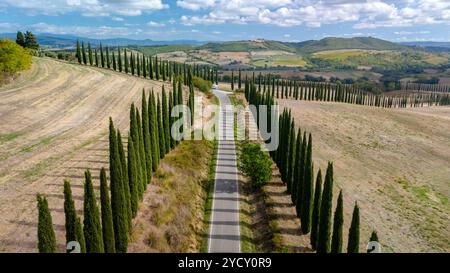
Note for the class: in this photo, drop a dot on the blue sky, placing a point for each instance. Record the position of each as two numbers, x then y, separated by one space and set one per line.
286 20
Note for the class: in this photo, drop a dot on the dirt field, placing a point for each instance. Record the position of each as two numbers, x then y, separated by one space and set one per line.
395 163
53 125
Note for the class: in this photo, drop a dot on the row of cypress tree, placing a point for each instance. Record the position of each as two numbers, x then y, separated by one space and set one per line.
345 93
123 60
313 205
107 229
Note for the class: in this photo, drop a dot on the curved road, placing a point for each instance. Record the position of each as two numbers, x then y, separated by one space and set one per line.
224 232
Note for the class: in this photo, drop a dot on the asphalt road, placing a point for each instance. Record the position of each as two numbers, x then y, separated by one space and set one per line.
224 232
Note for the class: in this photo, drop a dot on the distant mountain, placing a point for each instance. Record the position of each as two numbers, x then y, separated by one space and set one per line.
427 44
69 41
332 43
306 47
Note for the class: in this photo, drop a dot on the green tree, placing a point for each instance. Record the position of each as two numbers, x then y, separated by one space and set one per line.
107 222
308 190
13 58
165 116
83 53
46 234
153 129
374 236
118 204
255 164
20 39
71 217
102 56
336 241
323 240
80 60
296 167
316 210
31 41
147 138
353 234
80 235
125 185
91 222
91 59
133 176
162 143
108 61
141 151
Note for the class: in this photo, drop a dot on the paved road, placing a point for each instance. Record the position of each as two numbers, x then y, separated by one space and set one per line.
224 233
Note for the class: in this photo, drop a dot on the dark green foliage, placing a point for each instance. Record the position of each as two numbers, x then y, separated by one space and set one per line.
316 210
296 167
83 53
146 137
291 157
301 176
108 61
126 187
353 233
46 234
141 151
374 236
125 56
91 59
102 56
153 128
118 204
307 198
134 132
79 53
336 241
91 220
79 234
162 142
20 39
255 164
323 240
133 176
119 59
166 122
71 218
107 222
31 41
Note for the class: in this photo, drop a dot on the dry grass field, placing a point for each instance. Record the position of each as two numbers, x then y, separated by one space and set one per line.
54 125
394 162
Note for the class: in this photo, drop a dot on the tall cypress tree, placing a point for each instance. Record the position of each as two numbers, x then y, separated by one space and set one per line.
46 234
291 159
316 210
153 129
91 59
353 234
323 240
147 139
301 176
108 61
125 56
114 61
162 143
107 222
119 59
102 56
118 205
91 220
133 176
124 170
79 234
134 131
307 190
336 241
79 52
296 167
165 116
374 236
96 57
83 53
71 218
141 150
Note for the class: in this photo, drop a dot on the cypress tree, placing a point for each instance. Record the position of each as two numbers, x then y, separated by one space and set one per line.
119 59
80 235
46 234
114 61
118 206
91 59
133 176
374 236
307 191
20 39
291 159
156 68
301 176
96 57
147 139
353 234
107 222
138 66
91 220
296 167
316 210
108 61
102 57
83 53
336 241
125 60
323 240
141 151
162 143
78 52
124 170
134 132
239 79
150 67
71 218
232 80
153 129
165 113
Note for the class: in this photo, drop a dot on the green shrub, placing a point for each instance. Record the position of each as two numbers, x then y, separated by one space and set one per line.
13 57
203 85
255 164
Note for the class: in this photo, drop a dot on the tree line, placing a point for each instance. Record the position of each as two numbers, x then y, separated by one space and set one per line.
27 40
311 196
129 62
344 93
107 229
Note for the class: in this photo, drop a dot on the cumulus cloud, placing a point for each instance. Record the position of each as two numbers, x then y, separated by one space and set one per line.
155 24
362 14
87 7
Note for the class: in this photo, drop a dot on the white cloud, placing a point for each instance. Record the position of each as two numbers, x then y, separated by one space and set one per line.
155 24
87 7
195 4
118 19
363 14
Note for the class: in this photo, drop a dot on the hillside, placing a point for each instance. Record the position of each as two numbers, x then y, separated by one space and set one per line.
394 163
53 125
247 46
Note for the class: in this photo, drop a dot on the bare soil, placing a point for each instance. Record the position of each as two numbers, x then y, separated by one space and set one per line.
53 126
394 162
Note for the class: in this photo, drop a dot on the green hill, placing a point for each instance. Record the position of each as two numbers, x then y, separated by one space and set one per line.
246 46
331 43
